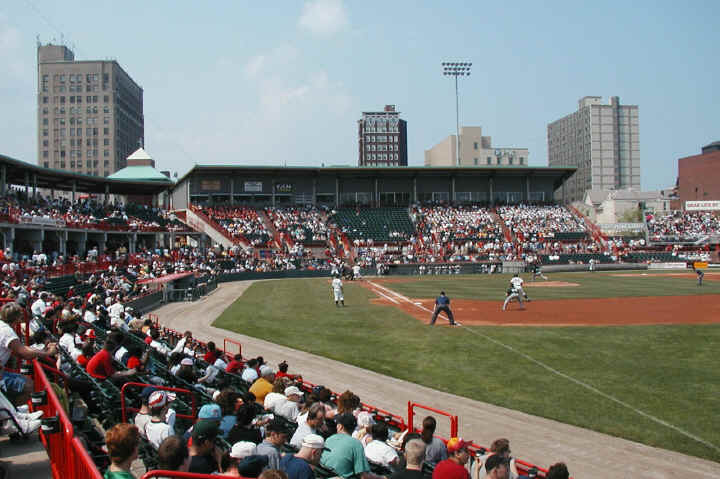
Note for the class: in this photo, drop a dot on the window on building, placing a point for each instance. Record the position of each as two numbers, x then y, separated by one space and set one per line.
106 153
45 154
106 131
522 160
62 100
475 161
489 160
498 160
475 145
106 142
45 100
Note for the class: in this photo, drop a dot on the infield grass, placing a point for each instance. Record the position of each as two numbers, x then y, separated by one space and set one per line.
670 372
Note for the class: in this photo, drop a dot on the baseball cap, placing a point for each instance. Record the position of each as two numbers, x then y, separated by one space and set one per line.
365 419
90 334
290 390
205 430
210 411
157 399
243 449
313 441
494 461
265 370
456 444
186 362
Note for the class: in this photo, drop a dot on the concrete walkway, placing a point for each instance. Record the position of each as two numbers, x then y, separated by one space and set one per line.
25 459
541 441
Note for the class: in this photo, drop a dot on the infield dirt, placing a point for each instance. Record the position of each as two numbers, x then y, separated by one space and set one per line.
567 312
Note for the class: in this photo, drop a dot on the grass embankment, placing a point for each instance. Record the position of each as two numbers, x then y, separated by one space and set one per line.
669 372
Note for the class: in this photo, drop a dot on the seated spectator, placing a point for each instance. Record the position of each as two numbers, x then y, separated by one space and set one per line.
275 436
157 429
315 417
173 454
227 400
497 466
87 352
243 429
143 415
235 365
122 442
277 396
290 409
263 385
346 456
298 466
378 451
249 374
500 447
204 455
558 471
435 449
100 365
212 353
283 372
17 386
242 460
414 458
186 372
365 423
454 466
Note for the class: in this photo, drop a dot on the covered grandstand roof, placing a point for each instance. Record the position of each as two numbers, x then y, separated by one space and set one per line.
20 172
560 172
140 173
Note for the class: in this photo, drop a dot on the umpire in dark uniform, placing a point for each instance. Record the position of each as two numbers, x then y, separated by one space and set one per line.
442 304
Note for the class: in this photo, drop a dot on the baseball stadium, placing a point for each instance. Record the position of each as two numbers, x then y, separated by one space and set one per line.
131 296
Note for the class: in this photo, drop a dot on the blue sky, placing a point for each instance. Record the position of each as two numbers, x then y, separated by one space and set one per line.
284 82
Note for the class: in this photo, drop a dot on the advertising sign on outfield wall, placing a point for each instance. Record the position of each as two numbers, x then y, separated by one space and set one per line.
702 206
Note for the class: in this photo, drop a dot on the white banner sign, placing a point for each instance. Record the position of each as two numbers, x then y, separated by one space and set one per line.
611 227
39 220
702 206
253 187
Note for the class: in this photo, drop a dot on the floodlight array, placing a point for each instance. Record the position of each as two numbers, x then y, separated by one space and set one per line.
456 68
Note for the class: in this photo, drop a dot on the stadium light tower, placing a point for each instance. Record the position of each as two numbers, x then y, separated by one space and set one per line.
457 69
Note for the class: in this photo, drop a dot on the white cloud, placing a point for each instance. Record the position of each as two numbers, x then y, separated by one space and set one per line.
254 66
323 17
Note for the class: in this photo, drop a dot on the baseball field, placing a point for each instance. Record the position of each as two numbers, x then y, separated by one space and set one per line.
631 354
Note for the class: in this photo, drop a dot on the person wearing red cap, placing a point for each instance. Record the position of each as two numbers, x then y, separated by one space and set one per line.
454 466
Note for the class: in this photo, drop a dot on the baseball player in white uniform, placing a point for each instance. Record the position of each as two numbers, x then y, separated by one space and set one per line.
513 293
517 283
337 288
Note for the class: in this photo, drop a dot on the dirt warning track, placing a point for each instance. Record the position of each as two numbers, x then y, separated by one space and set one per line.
568 312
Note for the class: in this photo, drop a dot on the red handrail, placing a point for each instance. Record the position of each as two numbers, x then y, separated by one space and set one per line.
411 415
231 341
163 388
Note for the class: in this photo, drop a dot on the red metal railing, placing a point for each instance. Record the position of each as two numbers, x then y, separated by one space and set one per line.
68 456
162 388
411 416
227 341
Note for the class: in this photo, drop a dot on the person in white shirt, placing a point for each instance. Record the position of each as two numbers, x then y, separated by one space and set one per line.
378 451
156 430
249 374
517 283
356 271
90 316
290 409
39 306
117 310
315 417
337 288
67 340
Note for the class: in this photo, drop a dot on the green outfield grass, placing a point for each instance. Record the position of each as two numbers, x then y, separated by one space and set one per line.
670 372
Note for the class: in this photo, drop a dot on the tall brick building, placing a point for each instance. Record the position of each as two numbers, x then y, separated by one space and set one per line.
90 113
699 175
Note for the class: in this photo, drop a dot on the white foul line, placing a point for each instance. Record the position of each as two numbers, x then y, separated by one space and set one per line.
568 377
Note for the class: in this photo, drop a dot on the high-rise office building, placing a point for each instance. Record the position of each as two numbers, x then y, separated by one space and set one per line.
475 150
90 113
382 138
602 141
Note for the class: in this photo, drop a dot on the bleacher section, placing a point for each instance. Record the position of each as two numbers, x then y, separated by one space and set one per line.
378 224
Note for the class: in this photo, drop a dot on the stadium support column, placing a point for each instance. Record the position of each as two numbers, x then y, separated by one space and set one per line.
491 185
415 189
337 192
232 190
74 190
527 188
27 185
62 242
132 242
314 191
452 188
3 178
376 193
34 186
272 185
107 194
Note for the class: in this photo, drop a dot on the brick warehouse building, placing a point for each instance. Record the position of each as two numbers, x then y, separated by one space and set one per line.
366 186
699 176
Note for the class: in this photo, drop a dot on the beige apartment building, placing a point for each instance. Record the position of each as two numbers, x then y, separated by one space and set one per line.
90 113
603 141
475 150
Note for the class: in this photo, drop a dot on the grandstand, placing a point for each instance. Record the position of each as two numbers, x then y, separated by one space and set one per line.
88 250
